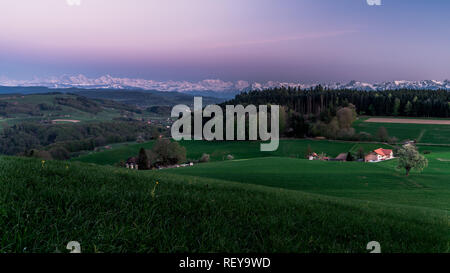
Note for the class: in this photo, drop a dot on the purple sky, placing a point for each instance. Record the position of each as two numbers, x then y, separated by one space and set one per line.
256 40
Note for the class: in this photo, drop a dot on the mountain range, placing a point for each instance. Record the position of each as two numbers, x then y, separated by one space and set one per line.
209 87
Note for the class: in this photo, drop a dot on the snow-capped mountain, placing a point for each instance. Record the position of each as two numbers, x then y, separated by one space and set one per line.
209 85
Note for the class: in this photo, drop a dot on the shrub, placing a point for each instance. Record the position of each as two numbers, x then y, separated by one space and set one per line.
205 158
364 136
350 157
169 152
45 155
392 140
361 154
383 134
59 153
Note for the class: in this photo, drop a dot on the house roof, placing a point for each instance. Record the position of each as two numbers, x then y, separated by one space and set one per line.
342 156
132 160
383 152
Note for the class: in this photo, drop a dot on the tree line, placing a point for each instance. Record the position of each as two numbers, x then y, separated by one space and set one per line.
59 141
314 101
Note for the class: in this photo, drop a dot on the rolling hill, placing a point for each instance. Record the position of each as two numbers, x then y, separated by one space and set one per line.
59 107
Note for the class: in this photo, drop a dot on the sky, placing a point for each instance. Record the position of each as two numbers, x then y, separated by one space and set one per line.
255 40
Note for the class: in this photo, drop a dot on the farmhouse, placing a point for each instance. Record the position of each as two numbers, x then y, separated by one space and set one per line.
313 156
384 153
409 143
379 155
372 157
132 163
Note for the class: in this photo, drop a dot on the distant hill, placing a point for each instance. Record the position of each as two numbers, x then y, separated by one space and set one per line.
144 98
137 97
215 94
25 90
61 107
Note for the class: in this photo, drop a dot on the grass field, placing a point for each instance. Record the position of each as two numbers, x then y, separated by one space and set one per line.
381 182
45 205
240 150
423 133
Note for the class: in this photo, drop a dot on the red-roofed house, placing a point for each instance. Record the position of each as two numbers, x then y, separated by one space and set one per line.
385 153
379 155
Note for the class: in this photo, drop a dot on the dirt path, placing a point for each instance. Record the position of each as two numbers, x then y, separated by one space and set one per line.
419 138
65 120
409 121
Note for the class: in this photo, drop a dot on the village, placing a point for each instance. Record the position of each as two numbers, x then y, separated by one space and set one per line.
375 156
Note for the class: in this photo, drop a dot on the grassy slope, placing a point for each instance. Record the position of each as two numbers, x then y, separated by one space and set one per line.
240 150
112 210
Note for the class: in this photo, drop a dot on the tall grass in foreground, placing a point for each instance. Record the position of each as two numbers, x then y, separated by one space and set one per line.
44 206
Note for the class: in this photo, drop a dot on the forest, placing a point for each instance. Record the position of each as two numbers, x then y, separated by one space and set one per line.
409 103
330 113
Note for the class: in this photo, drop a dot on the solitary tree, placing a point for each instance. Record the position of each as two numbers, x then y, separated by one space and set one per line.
346 116
408 108
309 151
143 160
361 154
397 106
410 158
350 157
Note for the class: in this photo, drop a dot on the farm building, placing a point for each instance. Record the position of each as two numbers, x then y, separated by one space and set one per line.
384 153
372 157
379 155
313 156
132 163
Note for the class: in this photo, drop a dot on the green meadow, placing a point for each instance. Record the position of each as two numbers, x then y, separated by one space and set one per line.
378 182
422 133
